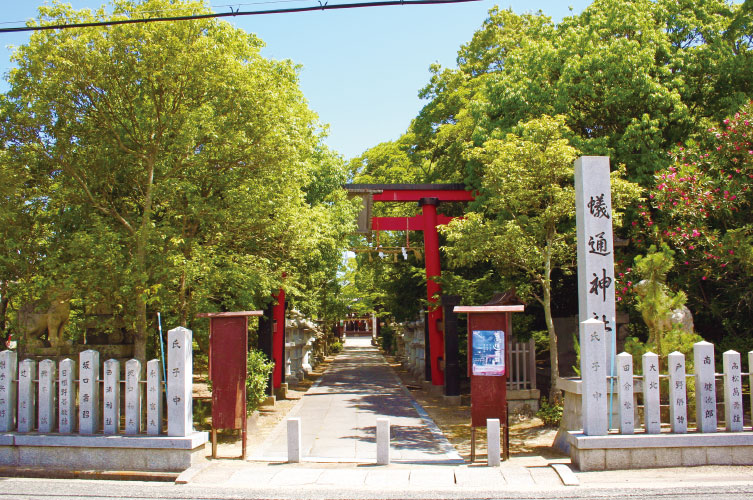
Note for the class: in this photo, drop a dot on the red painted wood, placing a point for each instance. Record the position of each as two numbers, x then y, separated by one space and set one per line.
433 270
417 194
229 314
278 339
228 340
415 223
488 309
488 394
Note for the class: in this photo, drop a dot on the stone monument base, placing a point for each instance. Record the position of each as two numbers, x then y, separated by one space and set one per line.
100 452
644 451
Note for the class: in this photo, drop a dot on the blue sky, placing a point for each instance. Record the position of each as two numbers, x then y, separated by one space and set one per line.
361 68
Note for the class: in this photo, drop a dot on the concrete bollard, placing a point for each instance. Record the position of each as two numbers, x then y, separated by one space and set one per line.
383 441
492 440
294 440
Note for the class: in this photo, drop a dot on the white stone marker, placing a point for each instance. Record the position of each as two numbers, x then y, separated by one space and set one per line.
625 392
593 369
383 441
46 388
733 391
678 400
179 383
88 391
8 373
705 386
67 396
133 397
651 410
493 451
111 412
153 397
294 440
26 395
593 209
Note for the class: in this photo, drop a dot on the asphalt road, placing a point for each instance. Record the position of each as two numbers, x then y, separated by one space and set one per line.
45 489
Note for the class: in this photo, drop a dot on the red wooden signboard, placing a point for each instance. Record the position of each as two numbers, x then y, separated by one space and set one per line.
488 371
228 348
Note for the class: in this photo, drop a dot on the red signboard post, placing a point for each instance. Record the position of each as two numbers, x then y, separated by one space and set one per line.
228 349
488 352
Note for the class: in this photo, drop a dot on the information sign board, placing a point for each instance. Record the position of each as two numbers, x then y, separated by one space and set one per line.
488 352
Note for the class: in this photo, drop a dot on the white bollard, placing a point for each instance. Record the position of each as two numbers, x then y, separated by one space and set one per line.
294 440
383 441
492 440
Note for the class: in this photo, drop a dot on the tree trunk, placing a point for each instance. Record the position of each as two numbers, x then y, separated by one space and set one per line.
142 241
554 393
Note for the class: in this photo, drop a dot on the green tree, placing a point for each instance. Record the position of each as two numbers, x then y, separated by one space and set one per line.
171 157
525 225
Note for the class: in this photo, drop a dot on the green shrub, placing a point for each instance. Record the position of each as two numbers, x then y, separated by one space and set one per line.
388 339
335 347
258 370
550 414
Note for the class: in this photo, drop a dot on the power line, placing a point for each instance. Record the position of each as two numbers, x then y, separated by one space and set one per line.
321 6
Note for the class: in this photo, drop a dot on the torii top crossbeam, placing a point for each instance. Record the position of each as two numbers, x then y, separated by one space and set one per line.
428 197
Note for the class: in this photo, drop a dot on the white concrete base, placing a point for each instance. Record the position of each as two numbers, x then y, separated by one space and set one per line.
100 452
643 451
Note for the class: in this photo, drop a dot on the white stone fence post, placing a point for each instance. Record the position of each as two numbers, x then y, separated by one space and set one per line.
46 398
664 382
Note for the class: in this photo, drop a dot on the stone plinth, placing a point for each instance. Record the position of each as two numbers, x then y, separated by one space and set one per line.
117 452
642 451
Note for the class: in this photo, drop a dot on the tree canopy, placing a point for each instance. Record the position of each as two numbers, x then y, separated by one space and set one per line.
177 168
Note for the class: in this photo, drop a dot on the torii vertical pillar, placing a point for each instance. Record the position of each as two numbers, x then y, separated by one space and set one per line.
433 270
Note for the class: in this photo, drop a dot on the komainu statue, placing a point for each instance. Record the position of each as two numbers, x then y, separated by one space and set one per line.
34 323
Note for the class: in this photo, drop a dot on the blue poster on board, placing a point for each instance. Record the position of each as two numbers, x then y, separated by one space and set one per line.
488 352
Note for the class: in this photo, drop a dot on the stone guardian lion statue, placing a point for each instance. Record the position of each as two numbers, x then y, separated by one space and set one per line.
33 324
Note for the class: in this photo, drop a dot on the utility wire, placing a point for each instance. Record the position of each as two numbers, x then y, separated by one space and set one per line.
321 6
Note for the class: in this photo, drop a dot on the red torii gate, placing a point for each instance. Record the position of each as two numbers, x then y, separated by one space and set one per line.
428 196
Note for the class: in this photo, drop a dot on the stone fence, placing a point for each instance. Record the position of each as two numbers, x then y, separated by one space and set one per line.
49 416
621 430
